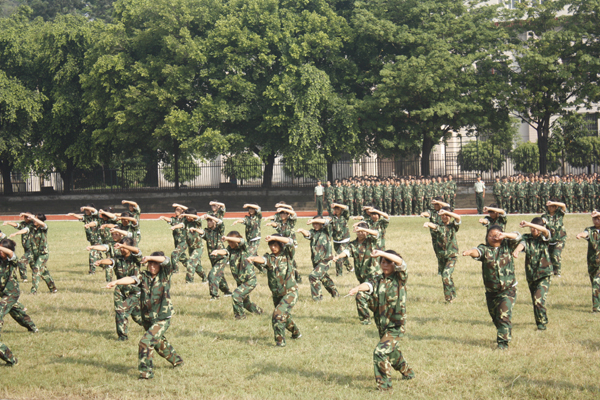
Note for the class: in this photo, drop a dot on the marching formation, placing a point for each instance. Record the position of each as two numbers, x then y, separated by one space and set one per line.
143 295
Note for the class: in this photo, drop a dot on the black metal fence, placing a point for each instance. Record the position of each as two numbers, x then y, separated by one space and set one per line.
220 175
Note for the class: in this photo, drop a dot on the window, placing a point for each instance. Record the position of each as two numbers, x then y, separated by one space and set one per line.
591 123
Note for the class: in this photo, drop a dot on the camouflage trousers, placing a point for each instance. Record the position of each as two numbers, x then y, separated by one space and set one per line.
542 203
154 339
408 205
26 259
126 304
446 266
319 275
452 201
241 299
555 251
595 281
533 205
94 256
387 205
520 205
194 265
108 270
216 277
362 306
9 304
500 305
498 199
179 254
418 205
358 205
387 355
40 270
539 292
282 316
505 204
343 262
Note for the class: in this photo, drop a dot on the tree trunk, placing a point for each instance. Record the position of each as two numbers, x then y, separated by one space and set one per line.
67 176
268 175
6 169
543 131
425 153
176 165
330 171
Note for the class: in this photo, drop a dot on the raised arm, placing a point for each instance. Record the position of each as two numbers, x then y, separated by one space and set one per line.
9 253
372 232
91 224
391 257
441 203
582 235
471 253
78 216
130 219
133 203
280 239
425 214
248 205
120 231
494 209
36 221
257 259
193 216
231 239
108 226
218 204
238 221
562 206
304 232
123 281
322 221
450 214
286 206
519 249
108 214
19 232
98 247
156 259
178 226
215 219
342 206
90 209
430 225
381 213
542 229
363 287
132 249
197 230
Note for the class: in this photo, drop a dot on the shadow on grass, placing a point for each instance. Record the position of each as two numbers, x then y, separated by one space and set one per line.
70 331
333 377
111 367
484 343
85 310
590 344
548 384
245 339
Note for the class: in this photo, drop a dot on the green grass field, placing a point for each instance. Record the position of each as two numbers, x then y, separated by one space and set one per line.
450 347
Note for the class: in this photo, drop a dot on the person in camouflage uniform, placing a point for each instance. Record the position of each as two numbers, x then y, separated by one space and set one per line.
283 286
378 221
127 222
498 270
252 222
92 222
532 195
27 258
365 267
397 203
243 272
505 204
359 198
9 296
434 218
520 191
126 262
496 216
212 235
453 188
156 310
179 236
553 218
338 192
447 248
194 245
321 257
386 192
388 303
543 193
368 193
566 190
497 191
340 234
592 235
578 195
136 212
217 209
107 246
349 196
285 222
377 195
329 197
407 197
538 268
40 253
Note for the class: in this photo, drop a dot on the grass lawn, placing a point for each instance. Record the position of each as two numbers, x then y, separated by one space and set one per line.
450 347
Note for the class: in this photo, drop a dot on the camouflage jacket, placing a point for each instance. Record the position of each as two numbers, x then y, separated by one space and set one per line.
381 227
328 192
497 190
555 189
349 194
358 193
155 300
397 192
368 194
593 253
556 226
406 191
544 189
124 267
39 239
537 257
220 213
193 239
26 238
134 230
280 271
9 286
213 238
497 266
320 244
252 223
388 298
241 269
377 192
532 189
365 267
105 235
452 185
137 212
386 191
92 234
179 233
445 237
567 189
338 192
506 190
578 189
287 228
339 226
520 190
501 221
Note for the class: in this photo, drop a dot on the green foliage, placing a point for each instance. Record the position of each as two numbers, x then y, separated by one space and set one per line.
584 151
313 169
242 167
188 170
525 158
482 156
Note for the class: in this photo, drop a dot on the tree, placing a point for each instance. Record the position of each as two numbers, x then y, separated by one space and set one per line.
147 88
242 167
563 140
525 158
480 156
20 102
65 140
552 71
272 65
427 73
584 152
